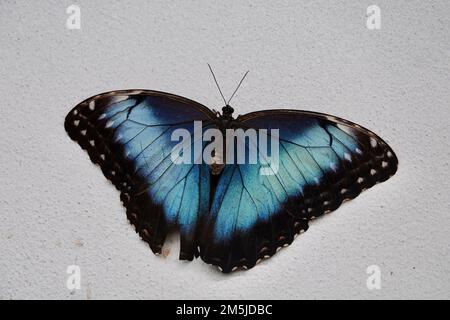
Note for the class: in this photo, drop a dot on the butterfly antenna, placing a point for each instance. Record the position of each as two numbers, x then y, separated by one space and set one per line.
237 87
215 80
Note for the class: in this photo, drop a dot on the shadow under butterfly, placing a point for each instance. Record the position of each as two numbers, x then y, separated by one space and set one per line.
232 217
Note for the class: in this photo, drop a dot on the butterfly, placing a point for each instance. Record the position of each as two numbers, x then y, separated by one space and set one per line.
228 214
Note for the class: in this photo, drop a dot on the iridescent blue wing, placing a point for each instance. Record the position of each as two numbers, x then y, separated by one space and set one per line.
323 161
128 134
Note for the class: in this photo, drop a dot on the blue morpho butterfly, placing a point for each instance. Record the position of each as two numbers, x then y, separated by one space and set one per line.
228 214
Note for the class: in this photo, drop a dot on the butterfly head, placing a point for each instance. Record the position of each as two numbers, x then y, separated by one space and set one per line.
227 112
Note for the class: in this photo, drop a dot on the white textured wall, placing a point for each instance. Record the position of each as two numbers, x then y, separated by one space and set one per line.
57 209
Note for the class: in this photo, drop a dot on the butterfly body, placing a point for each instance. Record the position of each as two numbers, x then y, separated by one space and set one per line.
230 214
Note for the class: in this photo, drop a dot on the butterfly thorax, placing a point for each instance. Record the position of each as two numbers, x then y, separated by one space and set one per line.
226 121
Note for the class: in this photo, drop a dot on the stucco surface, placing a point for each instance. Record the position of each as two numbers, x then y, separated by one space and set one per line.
57 209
